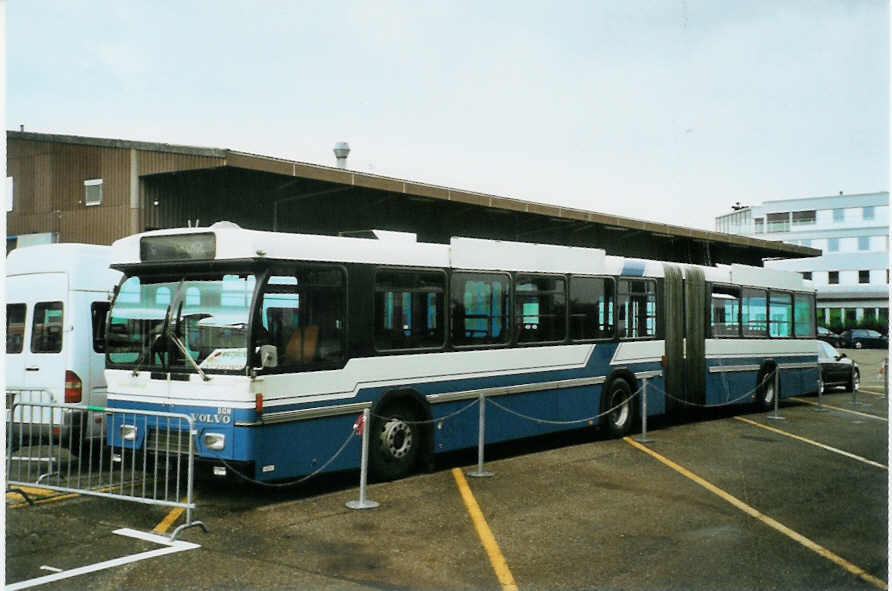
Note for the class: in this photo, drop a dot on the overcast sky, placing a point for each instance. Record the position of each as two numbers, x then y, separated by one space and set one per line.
665 111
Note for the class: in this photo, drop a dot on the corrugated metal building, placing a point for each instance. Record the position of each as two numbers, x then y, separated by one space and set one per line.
95 190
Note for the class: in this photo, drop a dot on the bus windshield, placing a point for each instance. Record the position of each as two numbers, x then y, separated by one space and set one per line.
156 321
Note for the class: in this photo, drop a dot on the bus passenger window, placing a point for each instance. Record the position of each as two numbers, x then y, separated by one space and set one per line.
539 308
409 309
480 306
725 311
637 306
303 316
780 320
15 328
753 313
591 308
804 316
46 329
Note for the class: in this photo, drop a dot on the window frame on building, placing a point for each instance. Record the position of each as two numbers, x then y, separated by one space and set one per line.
90 197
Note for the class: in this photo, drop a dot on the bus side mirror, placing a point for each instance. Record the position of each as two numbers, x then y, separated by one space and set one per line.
269 356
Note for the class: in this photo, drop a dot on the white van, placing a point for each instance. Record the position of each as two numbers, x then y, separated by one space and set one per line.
57 300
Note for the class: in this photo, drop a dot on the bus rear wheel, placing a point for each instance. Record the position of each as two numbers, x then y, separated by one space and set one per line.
394 442
617 399
766 388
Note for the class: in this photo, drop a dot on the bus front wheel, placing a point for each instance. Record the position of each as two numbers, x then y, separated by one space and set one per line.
616 407
394 442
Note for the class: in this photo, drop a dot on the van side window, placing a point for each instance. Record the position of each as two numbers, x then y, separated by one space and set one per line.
99 312
15 328
46 329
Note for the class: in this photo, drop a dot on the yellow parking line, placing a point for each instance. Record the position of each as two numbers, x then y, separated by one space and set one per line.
169 519
854 412
499 565
815 443
776 525
38 492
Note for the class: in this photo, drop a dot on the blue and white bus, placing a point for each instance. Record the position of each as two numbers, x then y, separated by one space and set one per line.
275 343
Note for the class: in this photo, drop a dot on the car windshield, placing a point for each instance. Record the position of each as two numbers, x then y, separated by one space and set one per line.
156 321
826 350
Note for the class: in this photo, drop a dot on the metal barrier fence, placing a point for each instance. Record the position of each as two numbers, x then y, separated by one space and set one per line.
65 448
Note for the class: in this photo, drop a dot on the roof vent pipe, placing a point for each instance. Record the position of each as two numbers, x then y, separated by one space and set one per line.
341 150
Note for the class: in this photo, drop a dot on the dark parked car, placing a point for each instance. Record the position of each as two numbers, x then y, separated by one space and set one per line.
828 336
837 370
863 338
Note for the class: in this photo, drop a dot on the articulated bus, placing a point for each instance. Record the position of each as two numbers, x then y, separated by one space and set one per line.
275 343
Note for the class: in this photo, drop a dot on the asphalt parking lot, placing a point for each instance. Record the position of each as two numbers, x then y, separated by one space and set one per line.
721 501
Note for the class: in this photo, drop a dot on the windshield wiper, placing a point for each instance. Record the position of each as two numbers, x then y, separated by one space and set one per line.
147 353
176 341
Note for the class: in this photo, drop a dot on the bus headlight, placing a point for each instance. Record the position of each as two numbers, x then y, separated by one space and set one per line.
215 441
128 432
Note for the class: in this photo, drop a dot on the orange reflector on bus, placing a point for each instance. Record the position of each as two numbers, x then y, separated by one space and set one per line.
258 403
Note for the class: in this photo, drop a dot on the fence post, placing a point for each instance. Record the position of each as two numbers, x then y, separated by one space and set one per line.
643 437
775 416
481 436
363 503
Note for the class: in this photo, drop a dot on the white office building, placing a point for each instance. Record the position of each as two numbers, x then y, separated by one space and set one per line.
852 275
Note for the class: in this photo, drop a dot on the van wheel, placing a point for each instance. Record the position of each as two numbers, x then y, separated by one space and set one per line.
617 396
395 441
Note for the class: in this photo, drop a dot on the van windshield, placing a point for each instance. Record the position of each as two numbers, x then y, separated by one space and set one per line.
156 321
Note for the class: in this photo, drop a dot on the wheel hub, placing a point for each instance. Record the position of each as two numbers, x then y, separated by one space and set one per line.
396 438
621 414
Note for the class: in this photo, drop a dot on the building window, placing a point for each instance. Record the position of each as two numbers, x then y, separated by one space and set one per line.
867 212
839 215
93 191
9 194
833 277
863 276
779 222
863 242
803 218
759 224
806 275
833 245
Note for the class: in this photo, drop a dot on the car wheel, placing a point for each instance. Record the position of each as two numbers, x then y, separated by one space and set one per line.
858 344
854 381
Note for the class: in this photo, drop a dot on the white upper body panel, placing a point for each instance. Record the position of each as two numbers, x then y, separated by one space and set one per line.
86 265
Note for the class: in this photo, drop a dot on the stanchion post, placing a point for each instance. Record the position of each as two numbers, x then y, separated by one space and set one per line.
775 416
363 503
481 436
643 437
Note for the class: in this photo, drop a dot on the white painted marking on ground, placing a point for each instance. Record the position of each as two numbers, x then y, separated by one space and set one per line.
171 548
52 569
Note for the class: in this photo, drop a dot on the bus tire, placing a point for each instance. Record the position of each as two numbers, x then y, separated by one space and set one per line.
619 422
766 388
395 441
